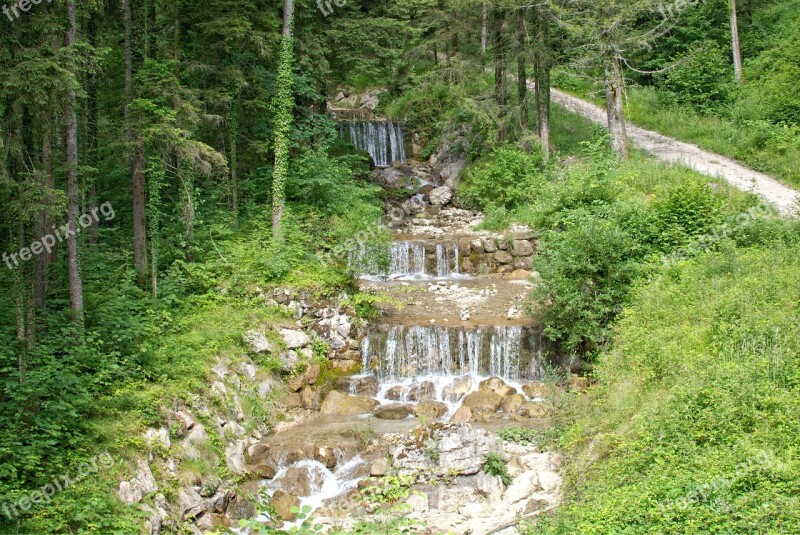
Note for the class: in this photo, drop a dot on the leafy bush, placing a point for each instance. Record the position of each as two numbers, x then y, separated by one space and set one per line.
704 80
495 465
508 179
519 435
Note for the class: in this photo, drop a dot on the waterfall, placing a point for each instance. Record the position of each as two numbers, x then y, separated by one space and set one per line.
447 260
383 140
405 259
410 351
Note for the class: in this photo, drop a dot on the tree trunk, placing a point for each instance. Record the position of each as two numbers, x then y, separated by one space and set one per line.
92 134
615 86
137 159
484 27
284 107
500 94
233 135
73 198
737 50
522 73
542 76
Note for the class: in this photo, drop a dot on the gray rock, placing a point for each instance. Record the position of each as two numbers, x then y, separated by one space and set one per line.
295 339
459 450
521 248
394 411
258 342
441 196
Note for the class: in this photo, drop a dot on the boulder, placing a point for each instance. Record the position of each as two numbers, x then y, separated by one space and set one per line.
309 377
295 339
519 275
540 390
497 386
430 409
310 397
489 246
534 409
481 403
302 480
283 502
441 196
513 403
397 393
394 411
425 390
503 257
339 404
461 450
380 467
577 383
521 248
463 415
457 389
390 177
257 341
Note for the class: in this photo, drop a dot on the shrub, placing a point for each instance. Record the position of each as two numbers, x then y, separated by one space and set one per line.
495 465
507 179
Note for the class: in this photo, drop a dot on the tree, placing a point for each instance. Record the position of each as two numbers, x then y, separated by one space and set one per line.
542 65
284 101
737 49
73 194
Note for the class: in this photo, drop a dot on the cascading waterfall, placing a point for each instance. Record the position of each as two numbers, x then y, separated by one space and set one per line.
383 140
406 259
404 351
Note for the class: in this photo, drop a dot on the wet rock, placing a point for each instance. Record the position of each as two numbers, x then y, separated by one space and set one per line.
397 393
457 389
430 409
441 196
283 502
257 342
302 480
294 339
482 403
496 386
340 404
460 450
365 386
395 411
425 390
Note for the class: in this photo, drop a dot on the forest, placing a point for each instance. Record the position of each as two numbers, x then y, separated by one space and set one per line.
399 266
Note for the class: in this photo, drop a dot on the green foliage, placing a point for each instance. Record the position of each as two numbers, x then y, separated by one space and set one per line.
520 435
508 179
693 428
704 80
495 465
389 489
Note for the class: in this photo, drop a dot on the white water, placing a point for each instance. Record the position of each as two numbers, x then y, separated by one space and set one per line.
441 351
407 260
383 140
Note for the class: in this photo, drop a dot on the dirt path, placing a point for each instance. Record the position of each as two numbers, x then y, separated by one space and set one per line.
673 151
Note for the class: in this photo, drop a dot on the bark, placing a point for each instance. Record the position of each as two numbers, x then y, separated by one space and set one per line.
484 27
522 73
542 74
737 50
92 135
137 159
73 198
500 94
615 86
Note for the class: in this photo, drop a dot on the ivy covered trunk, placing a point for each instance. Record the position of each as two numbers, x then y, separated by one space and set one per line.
284 103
